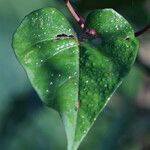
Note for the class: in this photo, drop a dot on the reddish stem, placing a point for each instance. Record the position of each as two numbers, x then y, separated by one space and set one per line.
138 33
79 19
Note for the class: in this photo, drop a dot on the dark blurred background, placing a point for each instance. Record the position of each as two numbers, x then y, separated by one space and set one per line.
25 124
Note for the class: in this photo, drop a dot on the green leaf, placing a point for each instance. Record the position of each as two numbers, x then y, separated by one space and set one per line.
47 47
77 81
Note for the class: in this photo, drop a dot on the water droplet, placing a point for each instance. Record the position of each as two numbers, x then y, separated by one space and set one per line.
59 75
117 27
105 85
94 64
87 81
69 77
27 61
41 60
75 83
73 52
51 83
108 99
47 91
82 117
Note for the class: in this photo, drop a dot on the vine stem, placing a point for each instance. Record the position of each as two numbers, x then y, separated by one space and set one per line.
79 19
145 29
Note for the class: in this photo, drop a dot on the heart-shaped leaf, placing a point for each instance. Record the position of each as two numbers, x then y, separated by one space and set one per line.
77 81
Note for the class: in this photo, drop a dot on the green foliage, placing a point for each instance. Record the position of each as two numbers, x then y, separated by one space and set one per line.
76 80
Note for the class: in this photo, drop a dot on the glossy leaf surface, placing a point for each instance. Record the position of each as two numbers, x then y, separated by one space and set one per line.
77 81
